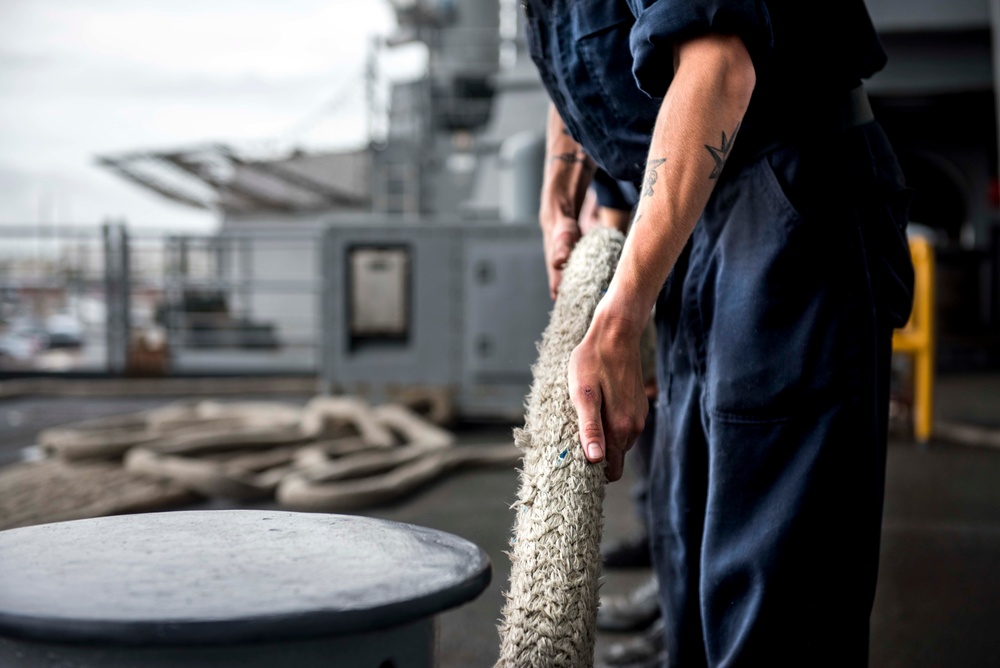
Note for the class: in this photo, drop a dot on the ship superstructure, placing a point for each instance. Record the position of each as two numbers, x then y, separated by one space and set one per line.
417 259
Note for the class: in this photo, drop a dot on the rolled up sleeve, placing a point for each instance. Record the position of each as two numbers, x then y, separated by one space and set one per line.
660 24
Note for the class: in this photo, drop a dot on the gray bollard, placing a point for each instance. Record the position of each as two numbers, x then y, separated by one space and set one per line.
230 588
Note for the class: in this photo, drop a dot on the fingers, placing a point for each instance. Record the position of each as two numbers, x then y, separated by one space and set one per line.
560 239
562 246
555 278
564 235
607 393
627 432
616 465
651 388
621 432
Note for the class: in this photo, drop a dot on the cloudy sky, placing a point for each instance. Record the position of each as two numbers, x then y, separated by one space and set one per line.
83 78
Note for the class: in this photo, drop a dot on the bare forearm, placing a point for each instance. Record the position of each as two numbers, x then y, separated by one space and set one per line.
708 96
693 135
568 170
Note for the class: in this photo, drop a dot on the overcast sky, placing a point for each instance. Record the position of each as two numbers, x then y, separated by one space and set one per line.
82 78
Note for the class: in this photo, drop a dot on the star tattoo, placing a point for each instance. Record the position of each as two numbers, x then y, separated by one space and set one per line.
721 152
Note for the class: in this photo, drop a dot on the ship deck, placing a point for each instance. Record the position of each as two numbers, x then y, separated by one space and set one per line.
939 588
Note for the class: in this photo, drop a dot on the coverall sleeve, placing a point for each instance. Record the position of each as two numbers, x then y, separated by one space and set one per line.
660 24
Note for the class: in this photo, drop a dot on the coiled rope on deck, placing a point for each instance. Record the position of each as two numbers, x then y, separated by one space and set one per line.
335 453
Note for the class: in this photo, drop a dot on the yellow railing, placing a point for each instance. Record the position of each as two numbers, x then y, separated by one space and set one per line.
917 338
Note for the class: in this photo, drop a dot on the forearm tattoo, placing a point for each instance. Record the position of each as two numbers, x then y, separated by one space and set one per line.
721 152
574 158
650 180
570 158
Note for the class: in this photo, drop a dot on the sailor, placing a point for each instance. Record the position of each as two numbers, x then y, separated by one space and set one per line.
770 235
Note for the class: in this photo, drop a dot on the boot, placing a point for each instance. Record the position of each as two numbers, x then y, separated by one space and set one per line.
647 650
630 552
634 611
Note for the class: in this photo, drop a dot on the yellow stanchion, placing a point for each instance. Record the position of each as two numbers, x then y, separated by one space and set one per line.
917 338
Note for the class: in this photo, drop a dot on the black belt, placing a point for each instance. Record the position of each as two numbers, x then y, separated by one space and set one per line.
850 110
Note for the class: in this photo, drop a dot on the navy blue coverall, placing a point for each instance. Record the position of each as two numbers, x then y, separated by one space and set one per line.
774 326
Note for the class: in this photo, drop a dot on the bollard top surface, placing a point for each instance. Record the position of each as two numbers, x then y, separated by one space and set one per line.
225 576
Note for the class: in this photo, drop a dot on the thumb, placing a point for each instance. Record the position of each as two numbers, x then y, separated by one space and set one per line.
588 409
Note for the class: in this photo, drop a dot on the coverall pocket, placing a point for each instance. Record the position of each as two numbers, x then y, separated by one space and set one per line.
780 316
600 56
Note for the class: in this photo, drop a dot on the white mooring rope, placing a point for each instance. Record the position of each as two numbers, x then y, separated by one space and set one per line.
550 611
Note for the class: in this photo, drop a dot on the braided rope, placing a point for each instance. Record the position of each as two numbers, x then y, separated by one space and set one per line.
551 606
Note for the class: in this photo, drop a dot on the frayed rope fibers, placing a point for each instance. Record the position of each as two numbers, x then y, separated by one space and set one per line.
549 618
